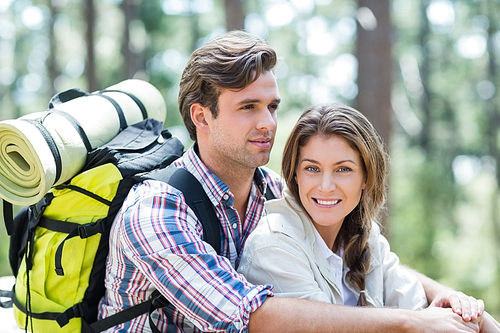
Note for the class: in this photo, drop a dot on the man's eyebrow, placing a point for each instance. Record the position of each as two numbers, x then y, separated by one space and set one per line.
256 100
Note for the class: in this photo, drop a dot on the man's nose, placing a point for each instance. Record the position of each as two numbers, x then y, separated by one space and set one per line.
267 120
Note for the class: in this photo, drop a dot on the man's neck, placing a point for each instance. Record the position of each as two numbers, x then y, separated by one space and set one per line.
239 180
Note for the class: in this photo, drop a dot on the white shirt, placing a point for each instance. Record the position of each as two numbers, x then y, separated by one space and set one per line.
336 264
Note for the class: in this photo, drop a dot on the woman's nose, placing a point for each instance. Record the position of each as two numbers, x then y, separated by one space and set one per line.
327 183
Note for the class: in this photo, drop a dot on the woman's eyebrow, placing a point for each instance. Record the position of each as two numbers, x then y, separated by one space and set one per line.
336 163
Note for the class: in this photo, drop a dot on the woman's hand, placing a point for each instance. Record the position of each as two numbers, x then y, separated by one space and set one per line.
466 306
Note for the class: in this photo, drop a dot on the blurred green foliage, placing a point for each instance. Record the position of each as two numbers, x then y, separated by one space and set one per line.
443 216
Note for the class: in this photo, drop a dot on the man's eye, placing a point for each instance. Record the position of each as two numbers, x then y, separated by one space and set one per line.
274 107
248 107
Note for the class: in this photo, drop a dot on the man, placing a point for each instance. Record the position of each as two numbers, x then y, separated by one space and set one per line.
228 99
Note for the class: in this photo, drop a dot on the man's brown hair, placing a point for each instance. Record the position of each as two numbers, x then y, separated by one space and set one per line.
232 61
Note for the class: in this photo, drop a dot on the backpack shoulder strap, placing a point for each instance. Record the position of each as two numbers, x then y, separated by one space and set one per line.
196 198
269 194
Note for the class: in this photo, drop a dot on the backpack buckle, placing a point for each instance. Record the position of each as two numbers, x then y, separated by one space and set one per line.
82 232
77 311
158 300
40 206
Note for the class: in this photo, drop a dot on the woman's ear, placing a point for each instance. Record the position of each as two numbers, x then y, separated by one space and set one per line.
199 116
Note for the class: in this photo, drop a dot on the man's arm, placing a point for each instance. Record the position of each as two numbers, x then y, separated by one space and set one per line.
488 324
439 295
299 315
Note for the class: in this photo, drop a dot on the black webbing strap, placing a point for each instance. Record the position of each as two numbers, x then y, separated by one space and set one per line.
51 143
158 301
84 192
123 316
40 315
8 216
269 195
73 230
9 294
118 108
57 225
76 125
66 96
62 318
76 311
135 99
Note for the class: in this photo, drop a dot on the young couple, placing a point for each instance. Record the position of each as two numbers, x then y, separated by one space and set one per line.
315 249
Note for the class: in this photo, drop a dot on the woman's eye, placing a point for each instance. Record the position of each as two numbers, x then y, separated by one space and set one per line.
345 169
312 169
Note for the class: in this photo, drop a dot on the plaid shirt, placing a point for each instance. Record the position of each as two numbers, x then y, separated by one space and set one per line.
156 243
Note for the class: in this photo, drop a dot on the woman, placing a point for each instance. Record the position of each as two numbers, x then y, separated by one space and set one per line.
321 241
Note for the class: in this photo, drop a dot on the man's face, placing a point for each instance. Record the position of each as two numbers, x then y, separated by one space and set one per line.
243 133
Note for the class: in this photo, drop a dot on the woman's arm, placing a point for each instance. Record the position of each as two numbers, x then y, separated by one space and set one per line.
439 295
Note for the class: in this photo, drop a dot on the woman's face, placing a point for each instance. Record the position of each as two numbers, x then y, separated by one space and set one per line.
330 177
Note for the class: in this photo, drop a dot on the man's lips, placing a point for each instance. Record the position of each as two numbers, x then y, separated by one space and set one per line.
261 142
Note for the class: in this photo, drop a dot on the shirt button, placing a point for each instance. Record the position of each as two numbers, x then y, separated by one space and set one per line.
225 196
235 225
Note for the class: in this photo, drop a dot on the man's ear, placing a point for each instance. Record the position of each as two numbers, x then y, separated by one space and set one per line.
199 116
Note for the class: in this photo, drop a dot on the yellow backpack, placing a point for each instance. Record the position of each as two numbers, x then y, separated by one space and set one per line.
58 247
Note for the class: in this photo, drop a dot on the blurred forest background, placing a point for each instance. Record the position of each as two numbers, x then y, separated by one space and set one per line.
424 71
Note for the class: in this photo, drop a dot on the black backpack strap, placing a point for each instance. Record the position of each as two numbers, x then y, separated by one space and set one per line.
269 195
38 123
196 198
155 302
66 96
76 125
135 99
8 216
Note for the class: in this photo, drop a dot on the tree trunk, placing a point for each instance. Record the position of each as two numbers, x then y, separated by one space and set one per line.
89 37
235 15
373 50
130 57
424 77
52 69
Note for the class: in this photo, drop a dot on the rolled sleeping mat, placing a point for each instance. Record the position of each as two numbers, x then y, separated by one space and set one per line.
47 148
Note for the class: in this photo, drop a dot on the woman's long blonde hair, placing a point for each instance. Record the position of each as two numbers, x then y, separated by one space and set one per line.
356 129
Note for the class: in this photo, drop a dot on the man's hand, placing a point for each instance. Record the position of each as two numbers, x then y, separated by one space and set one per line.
488 324
466 306
439 320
